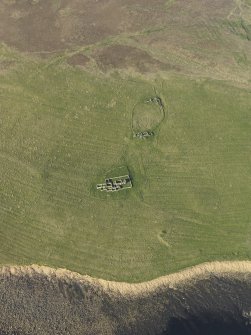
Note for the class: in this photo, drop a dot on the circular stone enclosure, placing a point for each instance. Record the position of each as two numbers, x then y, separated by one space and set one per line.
146 116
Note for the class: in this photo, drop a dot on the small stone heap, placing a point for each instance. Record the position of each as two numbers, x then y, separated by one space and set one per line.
144 134
156 100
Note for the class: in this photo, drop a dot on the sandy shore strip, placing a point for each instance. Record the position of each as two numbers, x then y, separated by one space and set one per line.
202 271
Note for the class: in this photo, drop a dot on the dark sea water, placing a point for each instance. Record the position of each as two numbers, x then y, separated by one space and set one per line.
208 325
212 307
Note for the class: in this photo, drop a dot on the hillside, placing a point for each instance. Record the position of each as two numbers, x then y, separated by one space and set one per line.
75 80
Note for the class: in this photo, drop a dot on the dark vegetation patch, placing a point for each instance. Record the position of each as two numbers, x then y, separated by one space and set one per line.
122 56
29 25
36 25
44 25
189 36
78 60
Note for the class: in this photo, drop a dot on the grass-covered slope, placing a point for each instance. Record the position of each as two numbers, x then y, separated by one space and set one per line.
62 130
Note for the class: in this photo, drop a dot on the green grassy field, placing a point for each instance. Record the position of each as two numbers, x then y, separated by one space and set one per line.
62 130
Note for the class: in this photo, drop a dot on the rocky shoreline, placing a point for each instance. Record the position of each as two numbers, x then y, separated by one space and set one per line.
211 298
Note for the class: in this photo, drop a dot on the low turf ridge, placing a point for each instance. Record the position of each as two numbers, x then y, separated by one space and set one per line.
63 130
